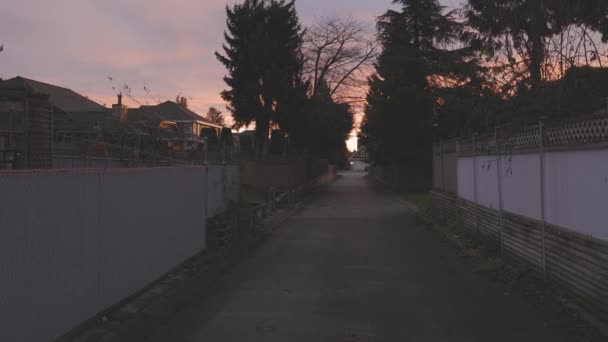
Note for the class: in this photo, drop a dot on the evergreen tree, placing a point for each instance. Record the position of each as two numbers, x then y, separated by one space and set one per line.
417 62
262 56
324 126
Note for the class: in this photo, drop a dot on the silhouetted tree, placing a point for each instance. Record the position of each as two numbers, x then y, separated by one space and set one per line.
210 134
262 55
215 115
531 41
323 127
181 100
418 63
226 137
339 55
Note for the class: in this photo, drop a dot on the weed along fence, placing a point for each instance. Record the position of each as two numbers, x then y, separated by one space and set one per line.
278 197
75 242
541 193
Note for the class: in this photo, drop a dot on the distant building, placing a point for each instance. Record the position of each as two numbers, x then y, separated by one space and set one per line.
37 118
72 111
44 125
187 126
26 126
359 160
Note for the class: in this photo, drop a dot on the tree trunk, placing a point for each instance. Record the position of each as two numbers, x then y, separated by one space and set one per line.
262 127
261 136
537 53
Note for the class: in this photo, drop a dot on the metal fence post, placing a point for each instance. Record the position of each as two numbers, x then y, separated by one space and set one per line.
440 188
542 196
434 166
475 183
52 135
499 173
205 151
442 166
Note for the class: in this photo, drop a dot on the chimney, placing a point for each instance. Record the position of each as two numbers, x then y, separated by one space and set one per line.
119 110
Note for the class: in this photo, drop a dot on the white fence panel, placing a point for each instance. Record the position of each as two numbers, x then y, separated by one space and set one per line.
48 253
576 191
73 243
487 181
521 185
466 185
575 183
149 225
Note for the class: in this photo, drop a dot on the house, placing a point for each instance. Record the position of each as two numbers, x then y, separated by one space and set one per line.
359 160
187 127
35 117
44 125
26 126
72 110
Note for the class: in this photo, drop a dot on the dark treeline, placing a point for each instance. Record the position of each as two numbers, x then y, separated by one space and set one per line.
271 84
440 73
446 73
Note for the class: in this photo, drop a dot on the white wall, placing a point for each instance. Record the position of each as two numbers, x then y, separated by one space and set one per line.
73 243
576 187
521 185
487 181
576 191
466 181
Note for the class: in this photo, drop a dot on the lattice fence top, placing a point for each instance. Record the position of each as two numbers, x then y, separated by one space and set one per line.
578 133
466 146
565 134
447 146
477 145
525 140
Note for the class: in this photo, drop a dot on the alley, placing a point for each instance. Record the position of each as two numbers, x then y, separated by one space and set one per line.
354 265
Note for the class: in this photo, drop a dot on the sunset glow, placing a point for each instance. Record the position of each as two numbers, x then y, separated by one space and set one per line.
159 49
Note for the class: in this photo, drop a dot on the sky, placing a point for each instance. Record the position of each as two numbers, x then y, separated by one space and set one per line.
166 47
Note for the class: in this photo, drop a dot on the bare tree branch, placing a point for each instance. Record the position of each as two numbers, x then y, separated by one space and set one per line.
339 54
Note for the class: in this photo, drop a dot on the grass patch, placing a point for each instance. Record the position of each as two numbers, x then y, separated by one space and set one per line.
421 200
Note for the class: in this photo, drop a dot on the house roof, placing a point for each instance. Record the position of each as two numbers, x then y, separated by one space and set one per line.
360 154
65 99
167 111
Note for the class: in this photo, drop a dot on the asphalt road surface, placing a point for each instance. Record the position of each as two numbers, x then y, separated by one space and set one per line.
354 265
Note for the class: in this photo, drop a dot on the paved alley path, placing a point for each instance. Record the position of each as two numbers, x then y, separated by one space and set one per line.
354 265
